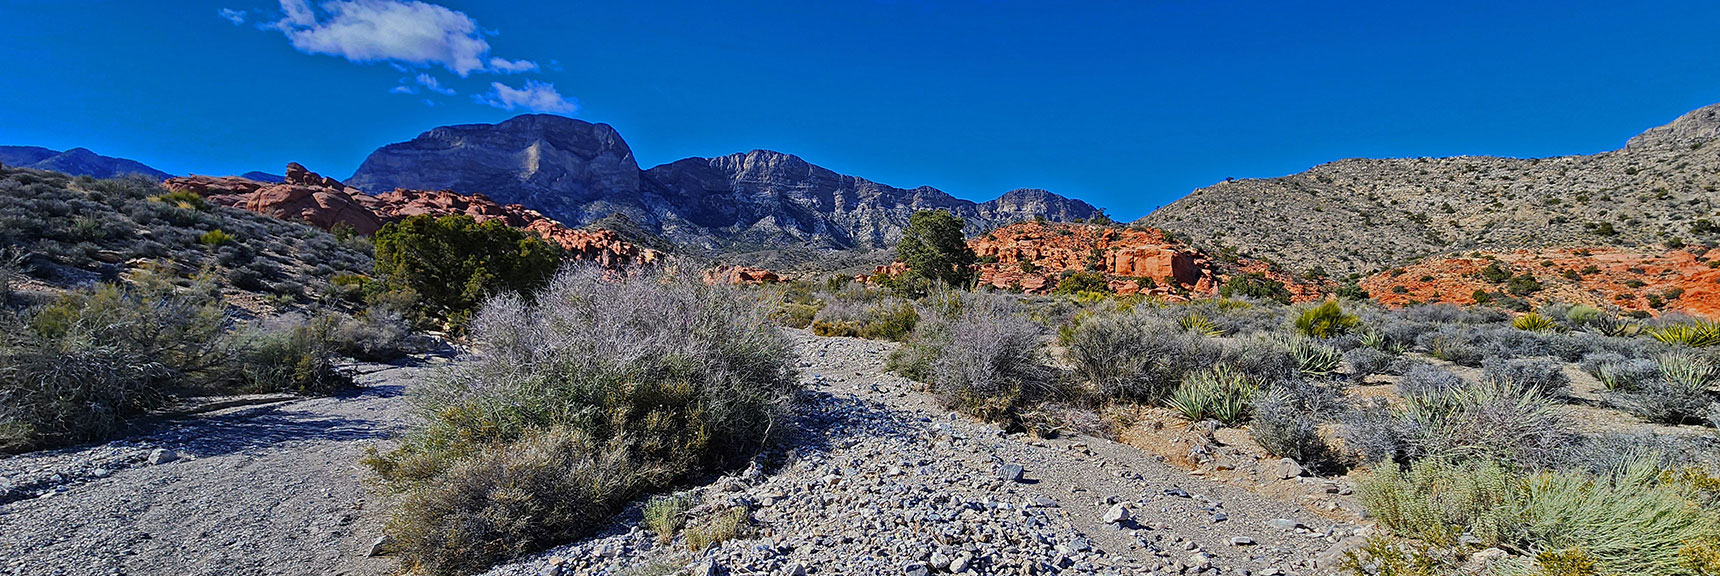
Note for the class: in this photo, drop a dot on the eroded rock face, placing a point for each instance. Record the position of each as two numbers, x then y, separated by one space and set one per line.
324 202
1030 256
1609 278
741 275
304 195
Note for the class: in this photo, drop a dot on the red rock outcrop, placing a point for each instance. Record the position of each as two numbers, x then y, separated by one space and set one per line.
741 275
324 202
1615 278
1030 256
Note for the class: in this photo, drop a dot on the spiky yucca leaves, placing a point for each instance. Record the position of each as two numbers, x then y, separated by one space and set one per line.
1326 320
1695 334
1534 322
1200 324
1219 393
1313 358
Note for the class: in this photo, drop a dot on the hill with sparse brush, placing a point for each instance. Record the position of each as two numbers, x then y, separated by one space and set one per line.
1364 215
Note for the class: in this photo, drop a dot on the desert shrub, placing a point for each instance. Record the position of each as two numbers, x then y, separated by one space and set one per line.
1487 419
1678 394
1694 334
978 354
380 333
1443 416
597 391
1084 281
453 263
884 319
294 354
183 199
728 524
1630 522
1286 420
1366 361
1255 285
1326 320
1428 380
1380 555
1438 500
1218 393
1528 373
1137 355
1616 372
1262 359
78 368
216 237
507 499
665 515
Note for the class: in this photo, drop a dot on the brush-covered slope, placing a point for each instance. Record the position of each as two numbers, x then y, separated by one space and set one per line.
1362 215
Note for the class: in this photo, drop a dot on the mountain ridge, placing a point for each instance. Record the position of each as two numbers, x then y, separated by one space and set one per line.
579 172
76 161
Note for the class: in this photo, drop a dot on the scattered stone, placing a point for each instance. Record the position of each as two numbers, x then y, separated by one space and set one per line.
1286 469
1241 541
1010 472
1118 514
380 546
161 456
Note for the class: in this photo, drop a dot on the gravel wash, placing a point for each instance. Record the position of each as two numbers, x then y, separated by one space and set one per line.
874 478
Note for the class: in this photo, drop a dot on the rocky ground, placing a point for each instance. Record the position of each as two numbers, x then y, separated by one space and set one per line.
880 480
263 489
873 478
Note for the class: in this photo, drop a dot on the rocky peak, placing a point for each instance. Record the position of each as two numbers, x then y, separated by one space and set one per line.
1693 129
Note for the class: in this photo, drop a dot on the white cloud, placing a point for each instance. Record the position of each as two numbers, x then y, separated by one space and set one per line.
403 89
535 96
237 17
433 84
514 67
407 32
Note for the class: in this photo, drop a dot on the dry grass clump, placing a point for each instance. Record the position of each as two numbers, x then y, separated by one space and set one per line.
598 391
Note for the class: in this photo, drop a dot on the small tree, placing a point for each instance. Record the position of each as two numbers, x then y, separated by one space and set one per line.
1255 285
935 248
454 262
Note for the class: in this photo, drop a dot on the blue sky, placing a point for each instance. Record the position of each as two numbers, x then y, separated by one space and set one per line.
1128 105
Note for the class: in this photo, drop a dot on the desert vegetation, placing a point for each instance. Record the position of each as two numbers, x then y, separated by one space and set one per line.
590 394
1574 439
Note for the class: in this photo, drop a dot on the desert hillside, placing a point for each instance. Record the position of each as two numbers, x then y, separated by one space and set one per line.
1365 215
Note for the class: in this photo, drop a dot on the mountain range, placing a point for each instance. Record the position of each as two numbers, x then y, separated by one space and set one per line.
77 162
578 172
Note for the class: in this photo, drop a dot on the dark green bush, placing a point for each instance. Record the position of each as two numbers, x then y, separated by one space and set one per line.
1255 285
1085 281
935 248
1326 320
453 263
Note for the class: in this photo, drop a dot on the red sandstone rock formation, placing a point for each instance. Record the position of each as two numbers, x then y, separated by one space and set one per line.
741 275
1030 256
324 202
1615 278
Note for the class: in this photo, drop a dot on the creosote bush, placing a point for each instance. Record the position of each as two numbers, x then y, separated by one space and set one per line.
454 263
594 393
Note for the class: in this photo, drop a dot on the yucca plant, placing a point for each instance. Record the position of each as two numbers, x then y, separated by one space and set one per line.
1697 334
1534 322
1313 358
1686 370
1200 324
1218 393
